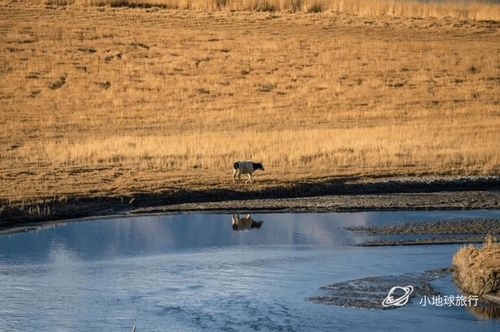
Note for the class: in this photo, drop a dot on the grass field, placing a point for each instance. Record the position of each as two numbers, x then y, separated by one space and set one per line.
458 9
105 101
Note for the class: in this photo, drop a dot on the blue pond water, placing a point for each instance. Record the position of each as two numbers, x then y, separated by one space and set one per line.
193 272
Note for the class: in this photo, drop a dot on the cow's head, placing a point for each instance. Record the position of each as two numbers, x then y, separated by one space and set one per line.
257 166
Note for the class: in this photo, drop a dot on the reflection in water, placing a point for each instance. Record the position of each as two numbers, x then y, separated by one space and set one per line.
244 223
192 272
485 311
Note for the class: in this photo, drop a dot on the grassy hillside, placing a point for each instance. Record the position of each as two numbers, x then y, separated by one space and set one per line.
108 101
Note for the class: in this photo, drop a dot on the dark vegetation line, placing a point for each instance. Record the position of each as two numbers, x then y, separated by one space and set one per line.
79 207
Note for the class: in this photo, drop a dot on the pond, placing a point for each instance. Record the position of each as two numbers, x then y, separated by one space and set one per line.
193 272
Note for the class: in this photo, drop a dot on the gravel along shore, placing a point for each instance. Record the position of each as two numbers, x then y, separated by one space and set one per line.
469 230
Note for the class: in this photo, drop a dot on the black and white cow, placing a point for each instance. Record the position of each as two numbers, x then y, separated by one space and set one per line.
245 167
244 223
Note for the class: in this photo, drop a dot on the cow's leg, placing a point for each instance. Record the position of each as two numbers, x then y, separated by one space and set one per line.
249 179
234 175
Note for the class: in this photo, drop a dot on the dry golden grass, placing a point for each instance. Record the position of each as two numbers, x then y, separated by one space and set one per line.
459 9
109 101
477 270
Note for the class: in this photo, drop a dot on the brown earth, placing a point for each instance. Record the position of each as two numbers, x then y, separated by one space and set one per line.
338 195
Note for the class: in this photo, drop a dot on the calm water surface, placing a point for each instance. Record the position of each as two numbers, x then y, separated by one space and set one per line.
194 272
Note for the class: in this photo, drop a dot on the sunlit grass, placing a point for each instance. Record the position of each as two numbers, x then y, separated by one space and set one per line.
144 100
464 10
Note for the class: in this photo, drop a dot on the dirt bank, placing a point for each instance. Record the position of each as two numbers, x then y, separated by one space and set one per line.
333 195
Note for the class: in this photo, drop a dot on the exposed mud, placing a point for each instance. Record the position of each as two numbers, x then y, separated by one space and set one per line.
346 202
465 226
346 195
433 240
470 230
370 292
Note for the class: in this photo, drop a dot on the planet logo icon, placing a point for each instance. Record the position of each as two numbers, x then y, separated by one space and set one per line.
401 300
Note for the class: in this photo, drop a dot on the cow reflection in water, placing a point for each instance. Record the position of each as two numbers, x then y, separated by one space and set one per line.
245 223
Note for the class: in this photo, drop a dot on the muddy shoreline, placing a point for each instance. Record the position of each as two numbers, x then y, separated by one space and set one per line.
369 293
385 194
447 231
